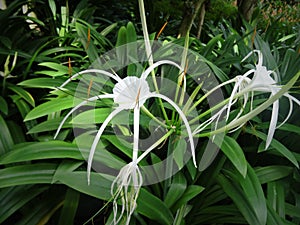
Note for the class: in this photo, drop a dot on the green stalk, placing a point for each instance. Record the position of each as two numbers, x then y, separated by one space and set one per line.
179 215
157 143
149 54
148 113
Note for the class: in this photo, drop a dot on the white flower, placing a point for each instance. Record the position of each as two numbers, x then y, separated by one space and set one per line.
263 80
128 93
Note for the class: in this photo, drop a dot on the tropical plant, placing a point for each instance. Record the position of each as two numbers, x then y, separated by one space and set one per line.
254 179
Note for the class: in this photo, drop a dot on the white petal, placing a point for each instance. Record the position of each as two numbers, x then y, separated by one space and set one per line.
114 76
289 113
152 67
78 106
128 184
291 99
136 130
273 122
97 138
131 91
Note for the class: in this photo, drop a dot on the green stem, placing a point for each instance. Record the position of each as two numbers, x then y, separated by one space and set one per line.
179 215
148 113
149 54
157 143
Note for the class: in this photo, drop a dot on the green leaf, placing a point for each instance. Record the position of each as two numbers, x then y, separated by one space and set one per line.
42 83
274 218
108 29
276 197
12 202
234 153
40 173
3 104
130 33
120 48
22 105
179 152
191 192
41 150
176 190
49 107
57 150
93 116
280 148
55 66
98 188
271 173
247 194
23 94
69 209
48 125
153 208
6 141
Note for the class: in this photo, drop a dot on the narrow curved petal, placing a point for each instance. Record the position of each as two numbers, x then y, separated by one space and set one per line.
136 131
289 113
273 122
184 119
291 100
128 184
260 56
217 116
77 107
97 138
114 76
152 67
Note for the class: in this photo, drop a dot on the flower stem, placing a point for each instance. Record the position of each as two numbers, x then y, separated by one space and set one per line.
149 54
157 143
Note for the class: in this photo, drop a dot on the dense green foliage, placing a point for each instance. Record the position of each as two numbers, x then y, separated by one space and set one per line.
43 181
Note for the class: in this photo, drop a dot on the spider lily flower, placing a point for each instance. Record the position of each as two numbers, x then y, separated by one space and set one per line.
263 80
129 93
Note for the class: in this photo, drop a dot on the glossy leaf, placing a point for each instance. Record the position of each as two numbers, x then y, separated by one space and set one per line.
23 94
247 194
234 153
153 208
11 202
49 107
48 125
69 209
40 173
280 148
42 83
3 105
98 188
55 150
6 141
191 192
176 190
268 174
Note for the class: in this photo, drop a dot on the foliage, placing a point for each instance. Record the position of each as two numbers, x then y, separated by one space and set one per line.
44 181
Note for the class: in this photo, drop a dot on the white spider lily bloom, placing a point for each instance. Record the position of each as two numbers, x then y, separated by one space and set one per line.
129 93
262 81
